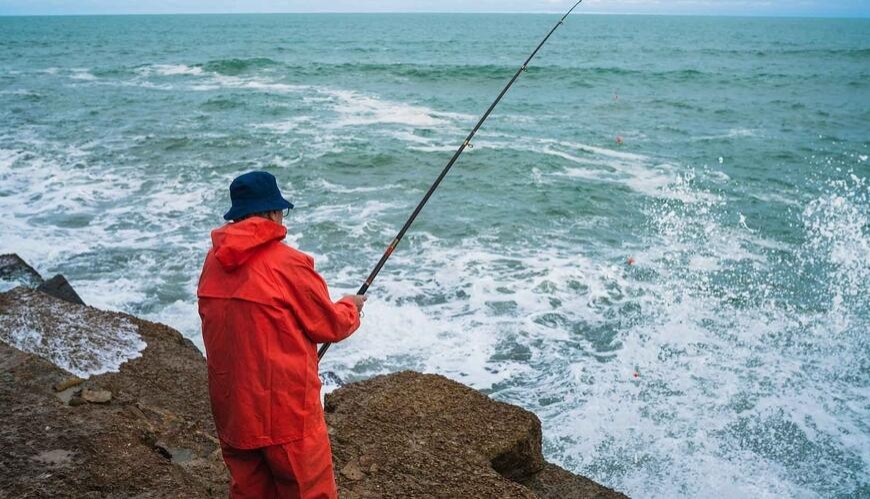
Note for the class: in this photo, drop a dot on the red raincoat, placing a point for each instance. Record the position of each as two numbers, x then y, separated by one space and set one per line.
264 309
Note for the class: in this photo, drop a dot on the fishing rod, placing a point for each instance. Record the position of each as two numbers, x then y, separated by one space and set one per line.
466 143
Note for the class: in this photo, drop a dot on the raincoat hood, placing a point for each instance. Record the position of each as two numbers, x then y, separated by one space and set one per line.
233 244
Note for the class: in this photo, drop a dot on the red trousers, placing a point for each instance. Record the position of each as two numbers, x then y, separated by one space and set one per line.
298 469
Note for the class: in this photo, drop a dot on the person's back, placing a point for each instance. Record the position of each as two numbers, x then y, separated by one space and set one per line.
264 309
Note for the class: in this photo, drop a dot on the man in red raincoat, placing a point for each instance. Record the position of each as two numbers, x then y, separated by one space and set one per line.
264 309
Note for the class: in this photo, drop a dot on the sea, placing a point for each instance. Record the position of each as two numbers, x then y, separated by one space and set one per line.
659 242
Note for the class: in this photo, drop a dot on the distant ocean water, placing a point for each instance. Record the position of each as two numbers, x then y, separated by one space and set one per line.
730 360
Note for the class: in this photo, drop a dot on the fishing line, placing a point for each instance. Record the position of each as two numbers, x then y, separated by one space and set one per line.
466 143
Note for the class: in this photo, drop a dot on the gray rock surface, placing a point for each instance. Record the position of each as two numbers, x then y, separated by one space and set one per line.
60 288
16 272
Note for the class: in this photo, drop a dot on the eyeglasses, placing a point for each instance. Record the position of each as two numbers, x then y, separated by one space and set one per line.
286 212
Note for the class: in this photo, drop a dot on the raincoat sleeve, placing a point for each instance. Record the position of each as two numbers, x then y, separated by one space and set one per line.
321 319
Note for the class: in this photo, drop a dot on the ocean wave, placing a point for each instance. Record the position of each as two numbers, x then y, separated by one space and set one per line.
856 53
774 52
235 67
428 72
83 74
170 70
838 228
222 104
358 109
481 72
219 81
733 133
28 95
603 151
330 187
712 303
284 127
678 104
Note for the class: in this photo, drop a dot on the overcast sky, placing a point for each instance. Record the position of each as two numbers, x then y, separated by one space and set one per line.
847 8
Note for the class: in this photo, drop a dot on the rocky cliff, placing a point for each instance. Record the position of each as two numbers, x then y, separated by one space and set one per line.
100 404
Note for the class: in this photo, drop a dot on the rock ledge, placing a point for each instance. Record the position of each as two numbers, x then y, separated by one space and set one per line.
146 430
422 435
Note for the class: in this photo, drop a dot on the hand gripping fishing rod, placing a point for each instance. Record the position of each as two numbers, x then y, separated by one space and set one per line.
466 143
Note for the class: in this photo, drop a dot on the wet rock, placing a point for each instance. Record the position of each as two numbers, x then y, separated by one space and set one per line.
161 448
556 482
148 438
72 393
80 339
68 383
76 400
96 396
400 434
162 393
61 289
15 271
329 378
181 455
351 471
56 457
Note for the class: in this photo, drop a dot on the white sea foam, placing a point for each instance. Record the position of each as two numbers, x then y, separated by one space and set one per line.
286 126
8 157
443 148
353 108
205 87
839 240
272 87
355 217
637 171
330 187
704 263
407 136
357 109
82 74
177 69
579 160
81 340
718 176
730 134
184 316
176 199
471 269
688 402
632 170
137 82
601 151
691 351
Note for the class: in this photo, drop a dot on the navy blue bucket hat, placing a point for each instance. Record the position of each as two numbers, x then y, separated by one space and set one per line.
255 192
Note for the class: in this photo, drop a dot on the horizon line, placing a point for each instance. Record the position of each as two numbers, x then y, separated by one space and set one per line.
668 14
